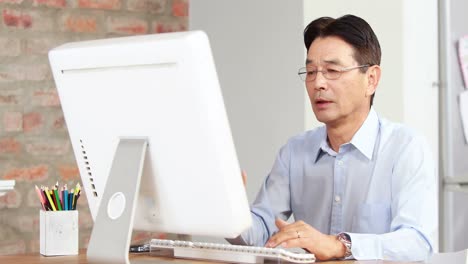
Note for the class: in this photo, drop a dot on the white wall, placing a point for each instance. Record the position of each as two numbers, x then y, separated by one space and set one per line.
257 47
420 69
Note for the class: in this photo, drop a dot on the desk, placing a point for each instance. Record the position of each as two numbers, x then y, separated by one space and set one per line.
36 258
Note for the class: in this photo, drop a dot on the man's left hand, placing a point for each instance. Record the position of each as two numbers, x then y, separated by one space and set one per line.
302 235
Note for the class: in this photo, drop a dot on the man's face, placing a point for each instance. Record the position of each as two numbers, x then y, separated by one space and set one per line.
345 99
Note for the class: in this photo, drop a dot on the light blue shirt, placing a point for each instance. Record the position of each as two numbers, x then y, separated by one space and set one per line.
380 188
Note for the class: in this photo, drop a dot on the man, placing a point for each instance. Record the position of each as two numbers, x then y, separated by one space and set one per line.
359 187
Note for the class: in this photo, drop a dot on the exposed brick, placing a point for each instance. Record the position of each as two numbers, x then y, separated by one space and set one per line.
13 18
54 148
9 97
58 123
85 235
83 202
125 25
13 199
32 200
33 121
39 45
10 47
12 247
78 23
26 223
45 97
160 235
169 26
42 22
33 174
139 237
32 20
13 121
31 72
68 172
36 223
84 218
2 205
11 1
37 72
152 6
50 3
100 4
9 145
11 73
34 243
30 29
180 8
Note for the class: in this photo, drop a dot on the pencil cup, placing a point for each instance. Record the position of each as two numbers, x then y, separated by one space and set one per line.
58 232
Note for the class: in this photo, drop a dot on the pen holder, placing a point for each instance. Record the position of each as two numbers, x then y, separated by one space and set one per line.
58 232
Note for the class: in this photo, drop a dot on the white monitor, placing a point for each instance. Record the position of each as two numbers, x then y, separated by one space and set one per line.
151 106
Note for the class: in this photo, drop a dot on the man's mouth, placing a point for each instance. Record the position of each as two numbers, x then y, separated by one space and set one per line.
322 101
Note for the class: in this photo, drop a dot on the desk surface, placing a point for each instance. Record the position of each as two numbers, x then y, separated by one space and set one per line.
36 258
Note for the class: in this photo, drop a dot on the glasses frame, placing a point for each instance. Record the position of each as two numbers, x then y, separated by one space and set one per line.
303 72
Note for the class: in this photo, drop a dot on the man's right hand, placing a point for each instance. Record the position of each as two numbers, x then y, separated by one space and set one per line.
301 235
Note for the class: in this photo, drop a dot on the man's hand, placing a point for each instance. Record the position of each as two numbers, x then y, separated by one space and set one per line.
302 235
244 178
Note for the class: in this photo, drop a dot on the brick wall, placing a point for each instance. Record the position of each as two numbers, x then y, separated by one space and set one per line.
34 144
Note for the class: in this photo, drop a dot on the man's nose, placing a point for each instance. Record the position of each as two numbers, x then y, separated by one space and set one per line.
320 81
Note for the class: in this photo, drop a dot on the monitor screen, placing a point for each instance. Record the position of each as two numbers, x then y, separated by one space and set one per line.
162 88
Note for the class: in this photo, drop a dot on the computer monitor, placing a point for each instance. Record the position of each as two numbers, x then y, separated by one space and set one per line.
151 138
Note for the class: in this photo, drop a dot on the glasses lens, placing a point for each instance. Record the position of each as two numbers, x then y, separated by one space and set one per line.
302 73
331 74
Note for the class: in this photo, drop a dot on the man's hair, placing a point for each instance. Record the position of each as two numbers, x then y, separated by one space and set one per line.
351 29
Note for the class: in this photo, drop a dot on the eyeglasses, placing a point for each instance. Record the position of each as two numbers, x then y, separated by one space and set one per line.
328 73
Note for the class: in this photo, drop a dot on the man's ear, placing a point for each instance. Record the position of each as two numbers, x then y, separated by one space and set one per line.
373 78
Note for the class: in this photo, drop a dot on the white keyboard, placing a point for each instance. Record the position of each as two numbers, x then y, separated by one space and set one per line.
229 253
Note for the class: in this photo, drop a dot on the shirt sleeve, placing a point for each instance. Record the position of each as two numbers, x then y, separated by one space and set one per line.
414 211
272 201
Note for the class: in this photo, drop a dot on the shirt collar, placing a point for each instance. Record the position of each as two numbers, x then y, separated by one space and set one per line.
365 137
322 145
363 140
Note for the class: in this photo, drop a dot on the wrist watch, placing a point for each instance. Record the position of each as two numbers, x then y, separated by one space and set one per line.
346 240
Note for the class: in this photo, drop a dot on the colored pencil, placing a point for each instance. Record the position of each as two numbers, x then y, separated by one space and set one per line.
50 199
65 199
41 199
57 199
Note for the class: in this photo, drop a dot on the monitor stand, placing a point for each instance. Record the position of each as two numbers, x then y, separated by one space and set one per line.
112 231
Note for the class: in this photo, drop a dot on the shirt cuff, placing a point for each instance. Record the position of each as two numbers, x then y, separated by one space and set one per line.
365 246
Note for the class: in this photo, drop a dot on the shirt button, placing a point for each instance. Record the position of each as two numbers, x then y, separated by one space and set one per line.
337 198
340 162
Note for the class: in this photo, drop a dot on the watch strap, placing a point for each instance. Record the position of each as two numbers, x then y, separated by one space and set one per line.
346 240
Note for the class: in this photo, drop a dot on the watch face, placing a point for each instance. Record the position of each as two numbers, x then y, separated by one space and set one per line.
345 236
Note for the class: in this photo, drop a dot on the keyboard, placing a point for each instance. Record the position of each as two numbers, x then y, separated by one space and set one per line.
229 253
